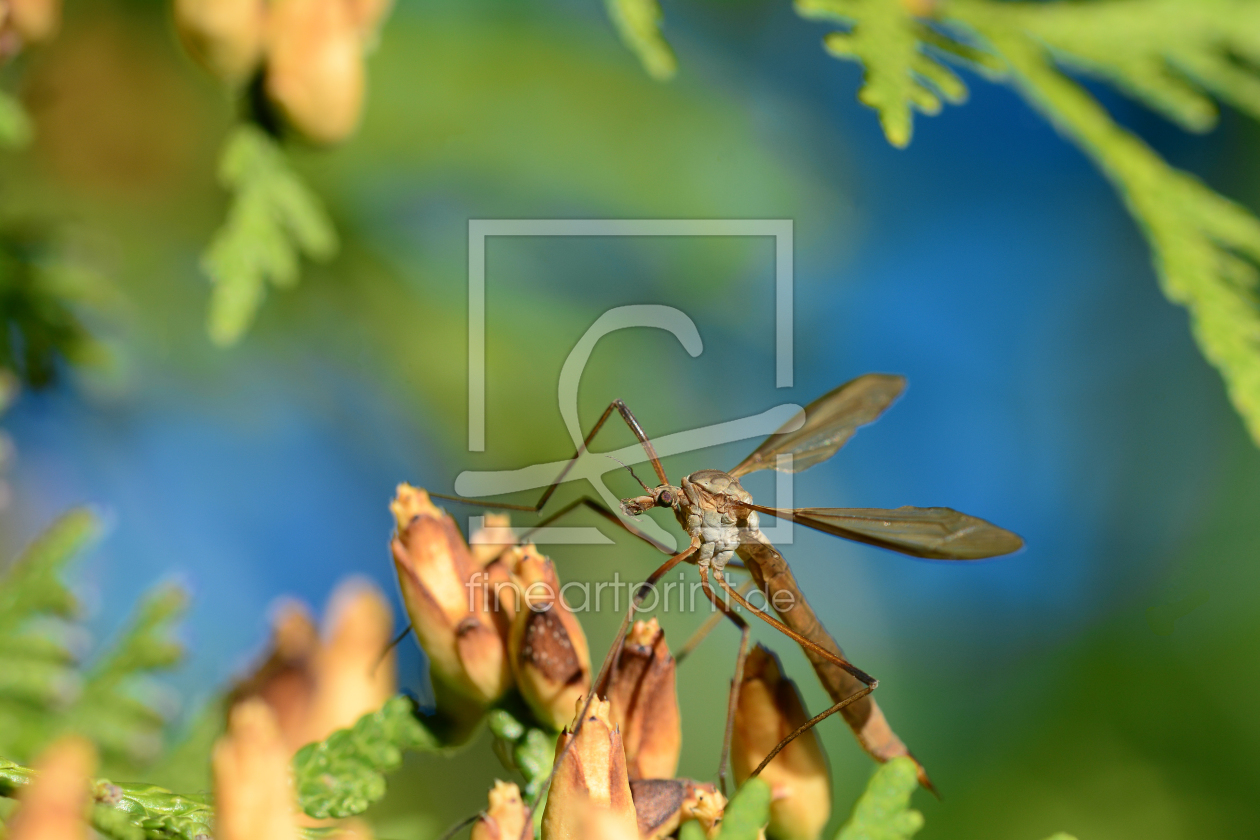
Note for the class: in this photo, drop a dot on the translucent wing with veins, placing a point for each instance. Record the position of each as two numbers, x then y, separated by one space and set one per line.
830 421
935 533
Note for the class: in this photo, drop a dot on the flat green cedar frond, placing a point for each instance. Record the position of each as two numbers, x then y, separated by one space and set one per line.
1205 245
125 728
32 585
44 690
344 774
1167 53
747 813
41 292
528 750
638 23
274 219
883 812
900 76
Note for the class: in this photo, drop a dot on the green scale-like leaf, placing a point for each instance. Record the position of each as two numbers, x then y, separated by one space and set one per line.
273 220
900 77
342 775
1205 245
883 812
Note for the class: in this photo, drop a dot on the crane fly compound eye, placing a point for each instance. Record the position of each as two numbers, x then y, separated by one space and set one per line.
666 498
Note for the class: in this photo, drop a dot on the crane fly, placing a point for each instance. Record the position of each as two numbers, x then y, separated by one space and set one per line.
723 522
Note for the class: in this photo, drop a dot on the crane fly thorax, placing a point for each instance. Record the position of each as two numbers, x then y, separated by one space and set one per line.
710 505
712 509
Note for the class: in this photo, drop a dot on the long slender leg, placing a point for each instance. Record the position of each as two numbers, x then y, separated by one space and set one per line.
602 510
871 682
613 655
737 681
707 627
839 661
634 427
811 723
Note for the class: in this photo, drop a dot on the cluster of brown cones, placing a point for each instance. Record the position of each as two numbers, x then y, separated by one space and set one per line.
310 53
311 684
491 618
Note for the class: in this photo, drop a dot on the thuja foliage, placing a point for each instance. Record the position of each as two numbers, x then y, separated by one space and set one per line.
274 220
42 294
46 689
1172 55
343 774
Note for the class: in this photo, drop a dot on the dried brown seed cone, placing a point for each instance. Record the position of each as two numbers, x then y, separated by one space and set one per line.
590 777
769 709
253 792
661 805
315 75
224 36
506 817
55 805
34 20
549 655
316 686
285 680
493 539
352 679
644 702
455 623
705 804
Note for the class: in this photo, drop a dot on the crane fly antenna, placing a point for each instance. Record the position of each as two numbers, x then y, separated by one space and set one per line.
631 469
395 643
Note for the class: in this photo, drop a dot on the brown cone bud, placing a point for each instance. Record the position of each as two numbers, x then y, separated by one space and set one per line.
493 539
253 792
285 680
352 679
770 708
316 686
661 805
55 805
452 612
315 73
224 36
590 782
550 659
506 817
34 20
644 703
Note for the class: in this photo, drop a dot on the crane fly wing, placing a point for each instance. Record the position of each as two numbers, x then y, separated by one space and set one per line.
830 421
935 533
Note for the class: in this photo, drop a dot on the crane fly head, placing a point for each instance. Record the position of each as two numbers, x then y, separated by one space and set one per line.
667 495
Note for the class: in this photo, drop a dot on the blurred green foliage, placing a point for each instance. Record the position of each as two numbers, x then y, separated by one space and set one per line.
273 221
884 812
343 774
15 125
41 292
46 689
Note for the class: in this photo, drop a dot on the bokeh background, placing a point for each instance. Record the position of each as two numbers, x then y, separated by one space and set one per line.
1052 390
